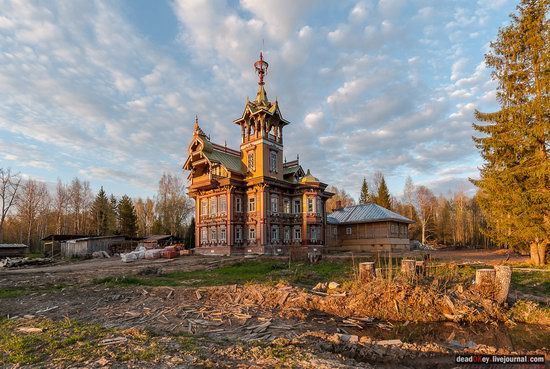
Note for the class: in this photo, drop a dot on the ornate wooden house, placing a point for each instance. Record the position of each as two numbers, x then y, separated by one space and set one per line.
250 200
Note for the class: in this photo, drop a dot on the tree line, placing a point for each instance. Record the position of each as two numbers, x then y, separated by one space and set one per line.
30 210
455 219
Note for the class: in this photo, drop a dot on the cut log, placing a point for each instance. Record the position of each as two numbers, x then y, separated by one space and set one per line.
503 277
408 267
485 277
366 271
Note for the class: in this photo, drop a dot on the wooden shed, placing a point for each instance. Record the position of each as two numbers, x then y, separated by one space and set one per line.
86 246
12 250
51 244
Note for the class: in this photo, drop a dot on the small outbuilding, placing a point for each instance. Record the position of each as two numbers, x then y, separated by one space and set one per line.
51 244
367 228
8 250
88 245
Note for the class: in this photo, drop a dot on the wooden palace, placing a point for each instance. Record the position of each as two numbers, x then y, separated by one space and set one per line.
251 201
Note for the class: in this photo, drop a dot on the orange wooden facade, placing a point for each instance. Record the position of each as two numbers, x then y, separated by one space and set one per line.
249 201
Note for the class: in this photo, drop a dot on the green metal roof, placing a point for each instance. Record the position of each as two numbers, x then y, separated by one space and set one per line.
230 161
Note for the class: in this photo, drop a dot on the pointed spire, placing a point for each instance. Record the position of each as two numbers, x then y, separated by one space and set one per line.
197 130
261 69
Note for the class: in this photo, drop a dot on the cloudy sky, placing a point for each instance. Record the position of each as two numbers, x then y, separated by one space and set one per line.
108 91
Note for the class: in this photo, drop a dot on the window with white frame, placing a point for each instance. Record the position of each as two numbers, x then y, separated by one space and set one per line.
204 235
272 161
223 204
213 205
238 233
213 235
239 204
348 230
204 207
275 233
334 231
222 233
287 234
251 234
274 203
297 234
309 205
251 204
251 164
297 207
286 206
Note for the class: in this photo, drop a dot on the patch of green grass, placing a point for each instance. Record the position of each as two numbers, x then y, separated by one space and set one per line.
534 283
11 292
69 341
256 271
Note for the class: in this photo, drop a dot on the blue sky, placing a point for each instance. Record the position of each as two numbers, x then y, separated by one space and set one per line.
108 91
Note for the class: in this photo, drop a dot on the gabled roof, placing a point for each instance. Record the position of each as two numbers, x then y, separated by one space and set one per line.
232 162
365 213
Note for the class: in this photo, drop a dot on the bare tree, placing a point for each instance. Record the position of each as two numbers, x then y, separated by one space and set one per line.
33 203
340 195
80 200
9 185
173 207
424 204
61 204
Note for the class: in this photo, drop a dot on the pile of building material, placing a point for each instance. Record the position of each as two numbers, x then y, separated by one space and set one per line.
169 252
18 262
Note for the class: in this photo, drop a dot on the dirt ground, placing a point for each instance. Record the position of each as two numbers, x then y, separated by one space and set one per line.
233 326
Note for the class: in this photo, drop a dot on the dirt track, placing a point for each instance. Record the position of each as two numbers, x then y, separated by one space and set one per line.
230 314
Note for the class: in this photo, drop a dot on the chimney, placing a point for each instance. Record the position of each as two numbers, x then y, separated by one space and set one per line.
338 205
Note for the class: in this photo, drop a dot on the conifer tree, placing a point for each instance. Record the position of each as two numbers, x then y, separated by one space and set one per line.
383 197
364 196
515 178
100 211
112 216
127 217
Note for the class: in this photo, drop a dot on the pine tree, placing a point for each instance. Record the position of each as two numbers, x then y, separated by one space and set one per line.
383 197
127 217
365 196
515 179
100 211
190 235
112 216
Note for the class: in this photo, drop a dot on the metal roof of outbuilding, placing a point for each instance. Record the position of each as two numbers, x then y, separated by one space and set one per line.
13 246
365 213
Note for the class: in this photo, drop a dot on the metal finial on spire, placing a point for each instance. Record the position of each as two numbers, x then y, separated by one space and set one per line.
196 122
261 68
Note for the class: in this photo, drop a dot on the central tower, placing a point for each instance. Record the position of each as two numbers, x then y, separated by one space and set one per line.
262 132
251 201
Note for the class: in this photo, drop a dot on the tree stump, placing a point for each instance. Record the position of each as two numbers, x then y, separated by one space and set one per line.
485 282
408 267
485 277
503 277
366 271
